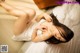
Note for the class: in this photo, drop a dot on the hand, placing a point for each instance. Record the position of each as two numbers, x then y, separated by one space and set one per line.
37 28
47 17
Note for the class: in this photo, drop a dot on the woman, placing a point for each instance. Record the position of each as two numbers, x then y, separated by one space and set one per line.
26 28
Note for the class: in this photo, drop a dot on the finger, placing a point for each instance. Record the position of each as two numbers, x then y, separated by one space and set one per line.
47 17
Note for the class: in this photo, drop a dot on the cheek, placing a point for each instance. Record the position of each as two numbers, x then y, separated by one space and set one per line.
50 26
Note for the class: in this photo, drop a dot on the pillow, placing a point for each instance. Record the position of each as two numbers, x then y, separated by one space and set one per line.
46 3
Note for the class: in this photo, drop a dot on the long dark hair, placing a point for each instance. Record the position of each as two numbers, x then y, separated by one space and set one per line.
67 35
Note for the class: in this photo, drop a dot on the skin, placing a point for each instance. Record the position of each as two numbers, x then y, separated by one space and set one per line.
48 30
25 18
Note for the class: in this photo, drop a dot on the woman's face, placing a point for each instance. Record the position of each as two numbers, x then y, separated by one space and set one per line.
48 26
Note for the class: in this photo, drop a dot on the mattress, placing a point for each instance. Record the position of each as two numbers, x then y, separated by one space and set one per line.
69 15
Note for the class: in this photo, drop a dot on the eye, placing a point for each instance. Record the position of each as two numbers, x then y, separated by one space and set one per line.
57 37
60 38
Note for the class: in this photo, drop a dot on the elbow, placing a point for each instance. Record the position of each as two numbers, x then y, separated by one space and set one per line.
36 40
16 33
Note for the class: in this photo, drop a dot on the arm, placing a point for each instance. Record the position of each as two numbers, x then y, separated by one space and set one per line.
43 16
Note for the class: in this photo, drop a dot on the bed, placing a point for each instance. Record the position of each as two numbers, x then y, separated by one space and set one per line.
68 14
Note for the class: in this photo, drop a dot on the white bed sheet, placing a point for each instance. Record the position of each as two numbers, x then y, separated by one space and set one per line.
68 14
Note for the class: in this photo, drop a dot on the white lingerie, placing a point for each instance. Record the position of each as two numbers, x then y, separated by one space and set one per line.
26 35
